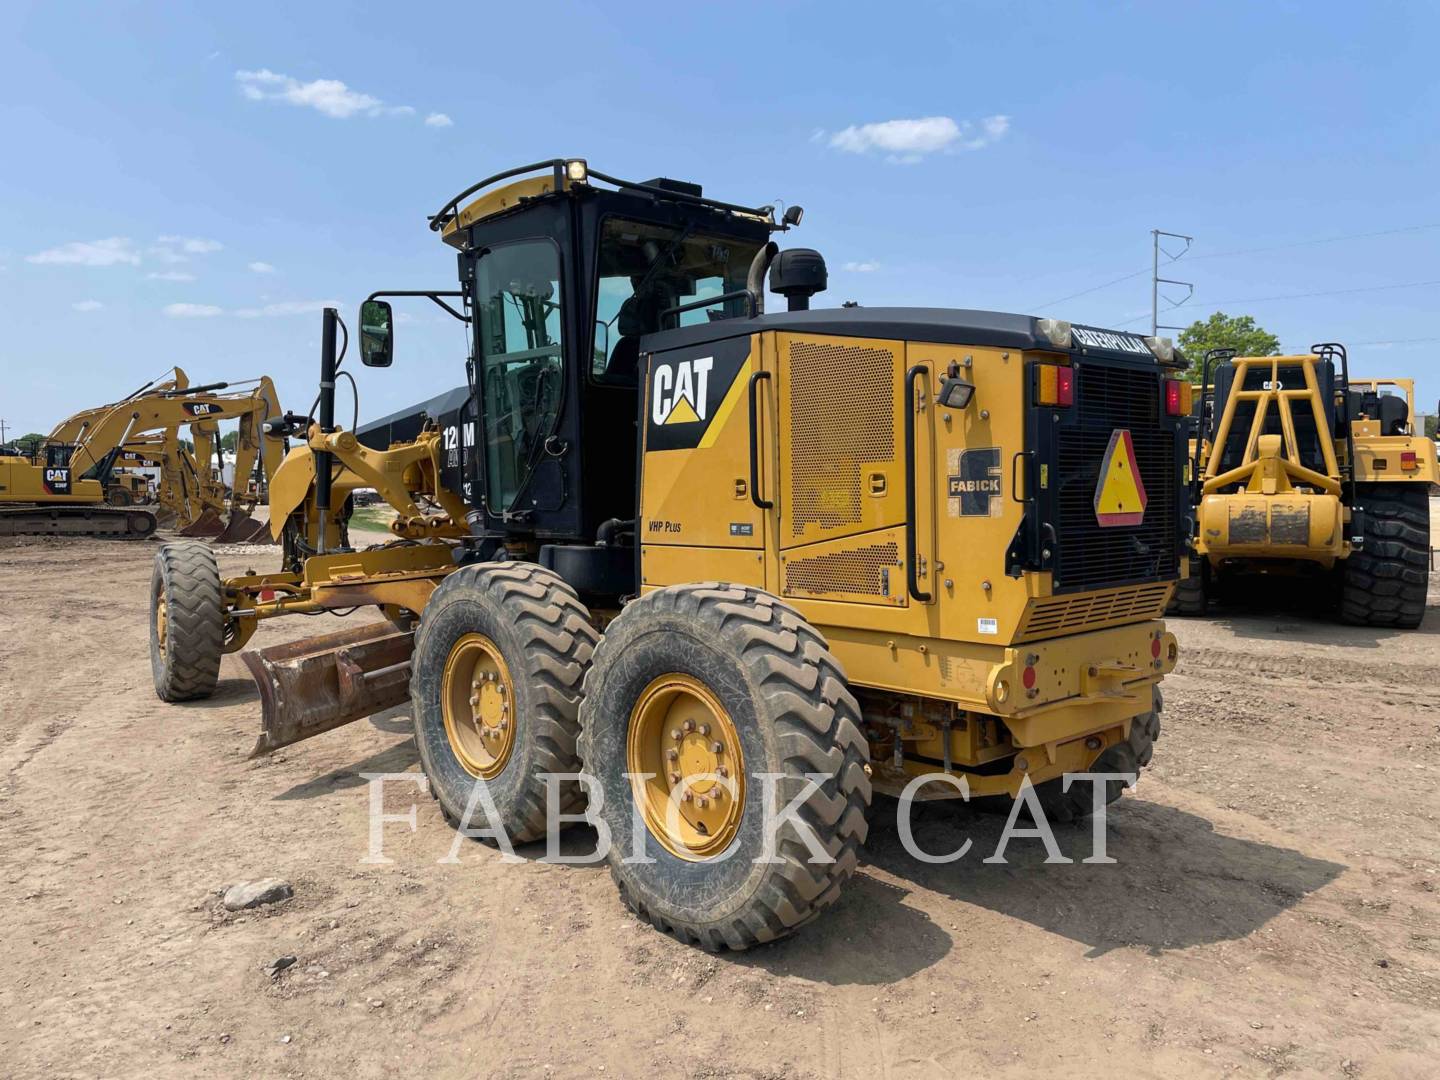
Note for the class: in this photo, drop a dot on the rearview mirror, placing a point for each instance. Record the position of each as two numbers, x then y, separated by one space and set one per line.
376 340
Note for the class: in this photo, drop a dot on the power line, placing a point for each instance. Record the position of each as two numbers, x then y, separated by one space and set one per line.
1297 296
1309 243
1242 251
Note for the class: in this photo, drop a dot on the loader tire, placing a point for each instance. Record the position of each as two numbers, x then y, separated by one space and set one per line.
1189 598
763 685
1385 583
187 621
500 644
118 497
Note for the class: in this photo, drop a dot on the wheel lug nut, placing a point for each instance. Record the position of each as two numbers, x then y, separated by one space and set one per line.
700 803
720 770
504 725
717 748
686 797
704 729
672 754
675 733
674 778
689 725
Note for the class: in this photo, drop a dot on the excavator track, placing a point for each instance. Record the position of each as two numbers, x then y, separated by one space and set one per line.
102 522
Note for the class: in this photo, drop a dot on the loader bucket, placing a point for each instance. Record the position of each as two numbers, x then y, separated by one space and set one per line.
323 682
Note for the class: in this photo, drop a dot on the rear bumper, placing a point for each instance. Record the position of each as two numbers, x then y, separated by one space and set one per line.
1080 683
1290 525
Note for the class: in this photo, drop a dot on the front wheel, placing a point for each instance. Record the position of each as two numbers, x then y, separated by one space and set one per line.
1386 582
187 621
710 709
499 659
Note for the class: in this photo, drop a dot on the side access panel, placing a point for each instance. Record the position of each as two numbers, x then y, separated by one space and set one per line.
701 512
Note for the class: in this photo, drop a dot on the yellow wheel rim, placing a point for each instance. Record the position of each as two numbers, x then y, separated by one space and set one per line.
477 700
161 620
694 797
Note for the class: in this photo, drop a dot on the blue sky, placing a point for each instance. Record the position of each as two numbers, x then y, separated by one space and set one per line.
187 185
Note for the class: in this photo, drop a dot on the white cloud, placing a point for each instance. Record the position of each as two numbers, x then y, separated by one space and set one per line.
170 275
113 251
438 119
193 311
861 267
286 307
328 96
261 267
906 142
191 245
87 305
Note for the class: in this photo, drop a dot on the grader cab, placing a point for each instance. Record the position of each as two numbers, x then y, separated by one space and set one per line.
1302 473
718 559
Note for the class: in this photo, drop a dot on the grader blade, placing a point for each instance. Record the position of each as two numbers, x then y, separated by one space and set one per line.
319 683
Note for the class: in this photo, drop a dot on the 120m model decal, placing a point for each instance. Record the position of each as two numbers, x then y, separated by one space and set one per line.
685 389
974 484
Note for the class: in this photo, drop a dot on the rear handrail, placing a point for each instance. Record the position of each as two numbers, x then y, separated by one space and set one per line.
912 574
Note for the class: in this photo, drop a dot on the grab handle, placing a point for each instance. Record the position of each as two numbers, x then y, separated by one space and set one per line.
763 504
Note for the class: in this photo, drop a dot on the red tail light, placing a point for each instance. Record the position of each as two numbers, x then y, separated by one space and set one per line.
1408 461
1174 403
1065 386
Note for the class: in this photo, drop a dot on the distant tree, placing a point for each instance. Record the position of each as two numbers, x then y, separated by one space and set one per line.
1430 424
1222 331
228 441
33 437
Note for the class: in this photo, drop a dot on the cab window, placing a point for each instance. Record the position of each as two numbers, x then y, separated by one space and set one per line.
644 269
518 304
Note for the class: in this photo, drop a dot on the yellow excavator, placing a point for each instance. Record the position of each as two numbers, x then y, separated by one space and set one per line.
67 485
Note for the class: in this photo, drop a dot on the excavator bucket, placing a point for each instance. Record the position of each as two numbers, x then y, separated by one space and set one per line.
244 529
206 525
319 683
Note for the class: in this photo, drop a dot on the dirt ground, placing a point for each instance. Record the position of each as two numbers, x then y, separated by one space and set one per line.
1275 906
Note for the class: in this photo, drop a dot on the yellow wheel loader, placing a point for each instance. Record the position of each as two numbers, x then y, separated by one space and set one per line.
74 483
1300 471
721 560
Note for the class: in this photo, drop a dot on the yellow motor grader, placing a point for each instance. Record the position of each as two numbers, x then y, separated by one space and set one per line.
719 559
1303 473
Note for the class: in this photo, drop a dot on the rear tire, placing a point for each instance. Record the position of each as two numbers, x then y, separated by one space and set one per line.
187 621
1190 598
118 497
1387 581
528 628
1127 757
784 709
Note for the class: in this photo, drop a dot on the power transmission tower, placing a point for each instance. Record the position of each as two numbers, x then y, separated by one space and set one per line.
1156 280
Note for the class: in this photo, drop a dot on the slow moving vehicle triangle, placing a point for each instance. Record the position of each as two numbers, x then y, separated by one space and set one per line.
1120 494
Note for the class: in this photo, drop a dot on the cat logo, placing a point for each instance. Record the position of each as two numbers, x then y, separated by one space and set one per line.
201 408
678 393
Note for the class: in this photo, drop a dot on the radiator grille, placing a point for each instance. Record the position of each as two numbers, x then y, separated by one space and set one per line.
1088 556
1066 614
842 414
865 571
